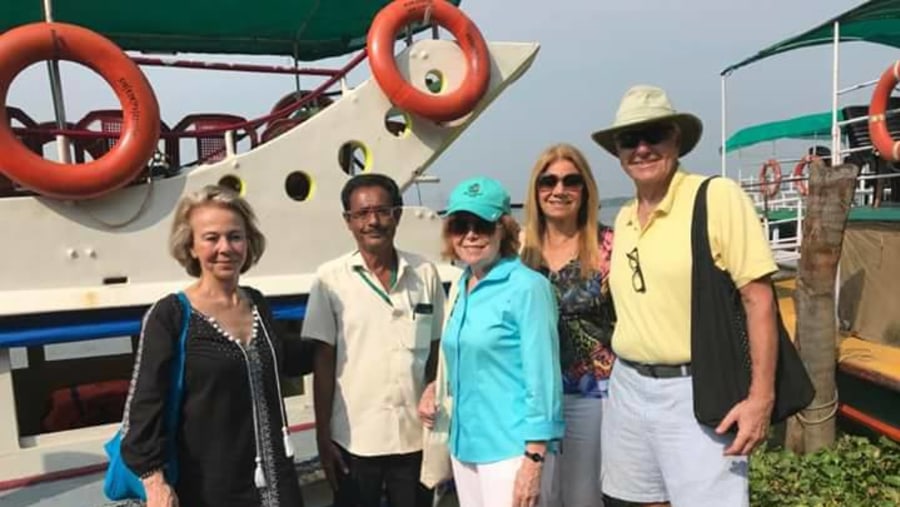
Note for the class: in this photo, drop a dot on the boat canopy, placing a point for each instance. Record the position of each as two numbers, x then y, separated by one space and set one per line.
810 126
876 21
305 29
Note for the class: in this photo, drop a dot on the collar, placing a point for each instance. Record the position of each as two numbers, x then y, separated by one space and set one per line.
665 205
498 273
357 262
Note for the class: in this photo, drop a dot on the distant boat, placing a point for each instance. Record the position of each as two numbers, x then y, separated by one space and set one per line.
868 369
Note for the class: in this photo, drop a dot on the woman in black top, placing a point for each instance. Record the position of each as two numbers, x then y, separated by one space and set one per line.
232 440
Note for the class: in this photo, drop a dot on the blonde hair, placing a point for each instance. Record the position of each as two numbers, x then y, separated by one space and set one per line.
536 223
181 239
509 242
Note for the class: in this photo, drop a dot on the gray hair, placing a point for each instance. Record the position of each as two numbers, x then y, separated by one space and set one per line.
181 239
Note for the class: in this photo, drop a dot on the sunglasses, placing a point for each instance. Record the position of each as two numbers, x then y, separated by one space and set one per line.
637 275
569 181
382 213
652 134
461 224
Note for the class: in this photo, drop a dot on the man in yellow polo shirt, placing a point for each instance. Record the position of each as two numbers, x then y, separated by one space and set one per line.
654 450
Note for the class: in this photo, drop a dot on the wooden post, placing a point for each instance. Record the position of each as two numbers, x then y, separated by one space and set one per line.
827 207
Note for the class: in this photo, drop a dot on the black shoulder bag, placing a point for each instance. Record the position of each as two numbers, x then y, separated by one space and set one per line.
720 349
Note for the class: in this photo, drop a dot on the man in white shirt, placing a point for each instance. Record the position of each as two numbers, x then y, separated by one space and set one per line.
376 314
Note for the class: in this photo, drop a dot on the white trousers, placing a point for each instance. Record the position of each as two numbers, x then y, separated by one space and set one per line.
485 485
654 449
573 478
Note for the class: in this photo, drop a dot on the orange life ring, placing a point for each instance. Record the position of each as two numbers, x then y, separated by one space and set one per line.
443 107
25 45
801 184
887 147
770 188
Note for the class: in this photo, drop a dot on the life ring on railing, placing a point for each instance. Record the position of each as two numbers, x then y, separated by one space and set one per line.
770 188
800 178
887 147
25 45
443 107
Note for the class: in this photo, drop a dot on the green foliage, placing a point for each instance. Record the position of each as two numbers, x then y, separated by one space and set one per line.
855 471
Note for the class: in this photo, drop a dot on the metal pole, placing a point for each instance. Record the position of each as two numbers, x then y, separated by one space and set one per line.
59 108
724 118
836 157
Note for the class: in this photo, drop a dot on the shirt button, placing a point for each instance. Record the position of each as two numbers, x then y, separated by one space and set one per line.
397 313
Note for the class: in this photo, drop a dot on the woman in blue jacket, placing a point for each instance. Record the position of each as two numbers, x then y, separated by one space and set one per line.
501 349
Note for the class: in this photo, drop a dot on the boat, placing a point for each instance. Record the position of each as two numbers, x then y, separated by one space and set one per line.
85 262
868 303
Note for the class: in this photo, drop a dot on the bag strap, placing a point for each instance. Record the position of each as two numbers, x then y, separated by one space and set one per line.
440 385
699 225
176 385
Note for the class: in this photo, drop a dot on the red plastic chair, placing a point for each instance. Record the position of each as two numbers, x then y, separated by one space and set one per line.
109 121
211 148
20 119
308 109
277 127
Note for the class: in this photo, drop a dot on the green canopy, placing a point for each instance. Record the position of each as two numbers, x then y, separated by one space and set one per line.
306 29
810 126
875 21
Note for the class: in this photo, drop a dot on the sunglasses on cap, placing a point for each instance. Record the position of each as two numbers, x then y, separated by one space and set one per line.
573 180
651 134
461 223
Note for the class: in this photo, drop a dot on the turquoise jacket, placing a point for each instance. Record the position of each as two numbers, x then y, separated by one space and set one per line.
501 349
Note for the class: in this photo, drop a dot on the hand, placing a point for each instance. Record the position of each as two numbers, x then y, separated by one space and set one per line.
752 418
527 489
159 493
331 460
427 407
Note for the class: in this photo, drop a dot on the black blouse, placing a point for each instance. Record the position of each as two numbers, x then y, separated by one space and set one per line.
217 440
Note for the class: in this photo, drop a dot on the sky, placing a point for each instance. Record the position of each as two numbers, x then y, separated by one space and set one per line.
591 52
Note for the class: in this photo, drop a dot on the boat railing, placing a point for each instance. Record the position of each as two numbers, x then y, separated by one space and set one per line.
228 132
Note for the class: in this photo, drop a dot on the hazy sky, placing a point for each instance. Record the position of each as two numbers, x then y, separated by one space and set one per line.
591 52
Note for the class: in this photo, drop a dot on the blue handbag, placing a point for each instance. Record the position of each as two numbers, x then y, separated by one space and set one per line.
120 482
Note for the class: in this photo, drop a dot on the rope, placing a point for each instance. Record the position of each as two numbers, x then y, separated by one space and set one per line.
140 211
833 405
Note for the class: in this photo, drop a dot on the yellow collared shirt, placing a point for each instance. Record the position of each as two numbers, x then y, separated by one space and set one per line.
654 326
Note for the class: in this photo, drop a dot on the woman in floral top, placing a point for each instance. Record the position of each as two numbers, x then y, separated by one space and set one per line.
564 240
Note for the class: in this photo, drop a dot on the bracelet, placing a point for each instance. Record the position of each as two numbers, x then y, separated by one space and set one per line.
146 475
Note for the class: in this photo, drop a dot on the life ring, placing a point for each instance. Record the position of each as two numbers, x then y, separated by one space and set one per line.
443 107
25 45
887 147
800 178
770 188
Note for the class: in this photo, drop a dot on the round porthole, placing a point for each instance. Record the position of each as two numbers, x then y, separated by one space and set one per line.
354 157
397 122
298 186
232 182
434 81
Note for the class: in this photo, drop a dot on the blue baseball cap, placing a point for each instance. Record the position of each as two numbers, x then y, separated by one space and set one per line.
484 197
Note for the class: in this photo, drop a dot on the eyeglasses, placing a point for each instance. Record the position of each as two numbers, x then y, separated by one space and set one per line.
569 181
461 223
651 134
637 276
382 213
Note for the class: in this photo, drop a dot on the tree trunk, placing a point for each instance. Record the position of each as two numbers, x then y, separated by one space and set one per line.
827 207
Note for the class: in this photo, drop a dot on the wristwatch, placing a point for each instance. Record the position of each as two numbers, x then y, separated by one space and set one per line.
535 456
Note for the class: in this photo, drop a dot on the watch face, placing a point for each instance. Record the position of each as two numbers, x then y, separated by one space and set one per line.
533 456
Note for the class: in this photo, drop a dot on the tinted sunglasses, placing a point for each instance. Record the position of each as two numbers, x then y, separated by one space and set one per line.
569 181
651 134
461 223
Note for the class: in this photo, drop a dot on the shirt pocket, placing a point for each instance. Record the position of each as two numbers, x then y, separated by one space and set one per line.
422 331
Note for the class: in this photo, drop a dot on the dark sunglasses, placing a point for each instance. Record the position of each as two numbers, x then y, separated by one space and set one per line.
651 134
637 275
569 181
461 223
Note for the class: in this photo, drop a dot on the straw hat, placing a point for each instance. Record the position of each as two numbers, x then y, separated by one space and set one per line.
644 104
